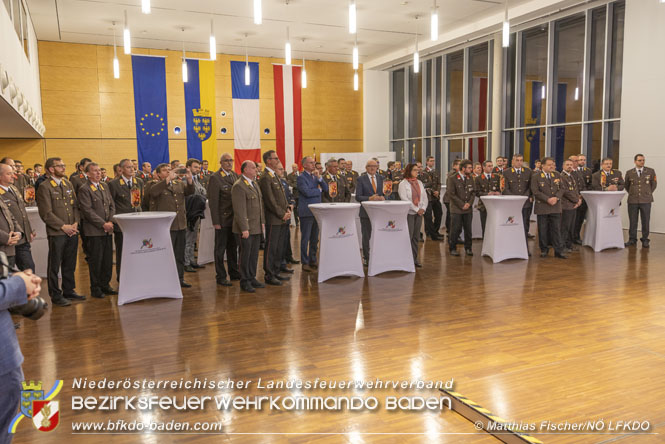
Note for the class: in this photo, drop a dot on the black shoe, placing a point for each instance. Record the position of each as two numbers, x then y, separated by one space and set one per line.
99 295
283 278
256 284
235 278
197 266
314 265
74 297
468 252
454 253
560 256
293 261
529 253
189 269
225 282
544 253
248 288
530 236
307 268
17 326
272 281
577 241
631 244
184 284
286 270
645 243
418 264
60 302
109 290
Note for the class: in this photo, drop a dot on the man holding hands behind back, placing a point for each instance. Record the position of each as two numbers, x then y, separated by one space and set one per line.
368 187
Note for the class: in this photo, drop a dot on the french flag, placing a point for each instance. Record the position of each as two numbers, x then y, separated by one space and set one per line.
246 124
288 114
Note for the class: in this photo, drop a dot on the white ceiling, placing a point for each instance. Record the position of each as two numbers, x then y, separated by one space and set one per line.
318 28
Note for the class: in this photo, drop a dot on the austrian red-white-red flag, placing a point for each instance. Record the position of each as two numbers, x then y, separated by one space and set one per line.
288 114
46 415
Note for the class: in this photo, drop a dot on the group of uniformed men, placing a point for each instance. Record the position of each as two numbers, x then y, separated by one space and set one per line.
253 210
559 206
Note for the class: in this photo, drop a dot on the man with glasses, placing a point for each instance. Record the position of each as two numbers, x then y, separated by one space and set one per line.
58 208
221 212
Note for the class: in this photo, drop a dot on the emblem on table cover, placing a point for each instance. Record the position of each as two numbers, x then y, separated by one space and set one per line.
332 189
391 224
136 197
510 220
147 243
387 187
202 123
29 194
46 415
341 231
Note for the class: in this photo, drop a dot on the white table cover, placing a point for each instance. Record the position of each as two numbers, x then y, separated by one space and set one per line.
603 225
390 245
148 265
339 254
206 250
39 246
504 231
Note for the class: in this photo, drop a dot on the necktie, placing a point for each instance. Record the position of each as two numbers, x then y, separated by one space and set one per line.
639 173
373 184
519 171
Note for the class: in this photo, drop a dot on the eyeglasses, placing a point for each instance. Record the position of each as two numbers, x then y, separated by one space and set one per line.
227 160
62 165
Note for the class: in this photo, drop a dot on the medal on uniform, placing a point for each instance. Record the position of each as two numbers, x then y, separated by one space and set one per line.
387 188
502 184
29 194
135 197
332 189
603 179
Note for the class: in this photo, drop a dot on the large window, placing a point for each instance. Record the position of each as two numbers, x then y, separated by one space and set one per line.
19 17
561 94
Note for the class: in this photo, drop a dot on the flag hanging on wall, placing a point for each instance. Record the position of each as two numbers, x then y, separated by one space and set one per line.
288 114
200 110
532 116
152 138
477 148
246 124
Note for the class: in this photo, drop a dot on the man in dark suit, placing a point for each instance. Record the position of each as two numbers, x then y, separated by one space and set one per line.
248 222
369 186
548 188
287 252
310 186
221 212
292 180
16 290
127 194
168 194
12 198
277 217
97 209
461 189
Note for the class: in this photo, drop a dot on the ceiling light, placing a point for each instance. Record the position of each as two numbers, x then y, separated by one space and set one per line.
116 64
352 16
287 48
542 92
145 6
247 73
213 42
185 75
258 14
577 91
434 28
355 53
355 81
506 28
303 80
126 37
416 56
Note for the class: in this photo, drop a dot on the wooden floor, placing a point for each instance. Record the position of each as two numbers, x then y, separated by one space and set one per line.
544 339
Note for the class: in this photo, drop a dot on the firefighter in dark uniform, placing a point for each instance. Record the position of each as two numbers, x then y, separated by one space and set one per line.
517 182
461 190
640 184
127 194
337 190
58 208
12 198
547 189
570 202
97 208
487 184
351 176
446 196
586 174
168 194
607 179
432 182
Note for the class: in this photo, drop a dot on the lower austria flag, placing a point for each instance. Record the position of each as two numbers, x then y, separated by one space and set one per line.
246 125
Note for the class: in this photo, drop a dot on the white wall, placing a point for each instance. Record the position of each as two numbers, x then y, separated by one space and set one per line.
19 77
643 96
376 110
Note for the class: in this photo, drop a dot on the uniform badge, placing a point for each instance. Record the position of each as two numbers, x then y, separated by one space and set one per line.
332 189
387 188
135 197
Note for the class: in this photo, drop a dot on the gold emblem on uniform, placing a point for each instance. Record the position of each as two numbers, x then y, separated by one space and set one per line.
387 188
29 194
135 197
332 189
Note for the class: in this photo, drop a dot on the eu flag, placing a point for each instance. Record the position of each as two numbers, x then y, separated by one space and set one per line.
152 128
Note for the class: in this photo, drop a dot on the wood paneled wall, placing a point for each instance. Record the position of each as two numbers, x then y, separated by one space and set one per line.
88 113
